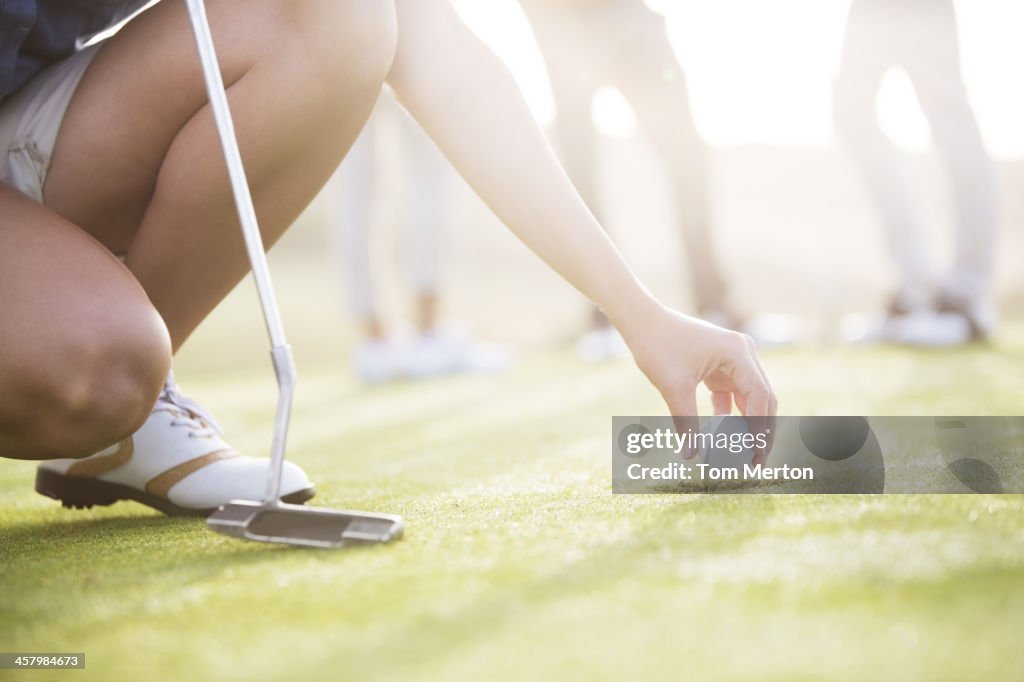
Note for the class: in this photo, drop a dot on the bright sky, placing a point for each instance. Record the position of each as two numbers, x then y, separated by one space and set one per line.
760 71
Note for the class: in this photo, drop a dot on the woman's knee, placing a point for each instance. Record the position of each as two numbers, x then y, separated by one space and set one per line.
95 387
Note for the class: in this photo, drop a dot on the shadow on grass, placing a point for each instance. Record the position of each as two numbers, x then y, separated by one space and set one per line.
85 535
86 529
176 541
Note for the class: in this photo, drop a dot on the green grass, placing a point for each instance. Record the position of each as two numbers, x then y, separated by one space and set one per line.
518 563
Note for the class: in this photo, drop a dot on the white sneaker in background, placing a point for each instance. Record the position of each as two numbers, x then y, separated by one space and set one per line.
980 312
943 323
769 330
948 322
441 353
929 329
601 345
723 317
378 361
775 330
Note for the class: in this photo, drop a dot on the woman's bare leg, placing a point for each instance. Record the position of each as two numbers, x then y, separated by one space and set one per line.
138 163
83 353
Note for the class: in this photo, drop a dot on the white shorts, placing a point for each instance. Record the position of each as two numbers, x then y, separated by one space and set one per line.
31 118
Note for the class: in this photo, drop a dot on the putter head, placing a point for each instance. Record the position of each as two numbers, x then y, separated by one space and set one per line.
292 524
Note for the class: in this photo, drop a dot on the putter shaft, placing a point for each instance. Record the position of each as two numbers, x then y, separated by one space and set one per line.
280 352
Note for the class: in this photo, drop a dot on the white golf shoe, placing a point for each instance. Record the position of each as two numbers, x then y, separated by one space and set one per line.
428 355
950 321
176 463
442 353
378 361
601 345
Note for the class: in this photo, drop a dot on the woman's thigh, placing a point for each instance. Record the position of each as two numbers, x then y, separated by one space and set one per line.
82 352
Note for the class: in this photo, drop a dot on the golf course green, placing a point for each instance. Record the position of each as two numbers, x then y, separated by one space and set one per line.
518 562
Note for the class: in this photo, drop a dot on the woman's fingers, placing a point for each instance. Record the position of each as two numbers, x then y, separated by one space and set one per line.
754 396
768 425
681 399
721 402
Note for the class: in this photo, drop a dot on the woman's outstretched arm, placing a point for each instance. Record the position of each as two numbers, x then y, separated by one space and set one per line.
468 102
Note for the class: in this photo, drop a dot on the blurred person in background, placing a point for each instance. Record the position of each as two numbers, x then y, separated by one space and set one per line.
424 199
921 36
588 44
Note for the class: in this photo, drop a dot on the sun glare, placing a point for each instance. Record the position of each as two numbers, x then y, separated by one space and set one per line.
761 72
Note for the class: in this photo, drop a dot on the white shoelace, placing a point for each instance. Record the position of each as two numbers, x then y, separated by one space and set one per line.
187 412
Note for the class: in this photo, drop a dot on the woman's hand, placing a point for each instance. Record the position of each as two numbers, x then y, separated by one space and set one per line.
677 353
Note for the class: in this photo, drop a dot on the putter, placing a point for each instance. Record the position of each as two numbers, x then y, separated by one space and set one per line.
272 520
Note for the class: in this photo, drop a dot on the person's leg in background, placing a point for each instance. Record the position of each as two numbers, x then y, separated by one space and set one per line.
922 38
434 350
351 226
577 66
353 217
425 215
933 63
574 65
871 46
424 197
137 166
648 73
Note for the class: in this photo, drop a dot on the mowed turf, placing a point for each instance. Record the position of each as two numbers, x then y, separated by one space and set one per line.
518 561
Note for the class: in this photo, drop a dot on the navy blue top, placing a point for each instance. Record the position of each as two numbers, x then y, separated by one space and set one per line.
37 33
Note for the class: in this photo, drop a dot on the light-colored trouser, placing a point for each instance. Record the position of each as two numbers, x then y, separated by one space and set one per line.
30 120
922 37
588 44
424 193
